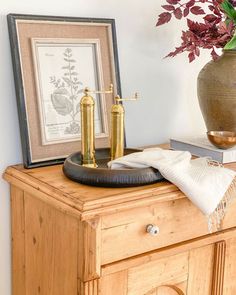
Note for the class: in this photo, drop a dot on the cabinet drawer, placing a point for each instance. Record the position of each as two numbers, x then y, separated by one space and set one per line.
124 234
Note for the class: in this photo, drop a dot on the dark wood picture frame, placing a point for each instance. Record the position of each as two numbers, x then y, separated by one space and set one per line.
18 75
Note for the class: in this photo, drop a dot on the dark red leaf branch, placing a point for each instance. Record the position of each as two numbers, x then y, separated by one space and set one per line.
213 32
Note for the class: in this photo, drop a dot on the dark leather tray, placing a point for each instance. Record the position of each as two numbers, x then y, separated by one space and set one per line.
105 177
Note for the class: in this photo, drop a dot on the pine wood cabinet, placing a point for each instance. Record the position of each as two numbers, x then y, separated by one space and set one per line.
71 239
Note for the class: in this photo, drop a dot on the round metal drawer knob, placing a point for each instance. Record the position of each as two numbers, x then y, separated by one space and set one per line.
152 229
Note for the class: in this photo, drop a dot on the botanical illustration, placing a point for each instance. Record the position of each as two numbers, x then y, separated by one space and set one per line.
63 69
66 96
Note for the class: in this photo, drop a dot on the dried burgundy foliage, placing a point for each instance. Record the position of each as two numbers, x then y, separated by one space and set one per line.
214 31
233 2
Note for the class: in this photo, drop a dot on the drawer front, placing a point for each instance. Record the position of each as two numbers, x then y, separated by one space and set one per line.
124 234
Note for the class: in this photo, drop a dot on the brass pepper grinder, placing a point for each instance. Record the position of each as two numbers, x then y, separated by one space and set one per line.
117 127
87 105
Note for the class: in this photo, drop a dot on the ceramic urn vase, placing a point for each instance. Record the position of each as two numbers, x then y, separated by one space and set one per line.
217 92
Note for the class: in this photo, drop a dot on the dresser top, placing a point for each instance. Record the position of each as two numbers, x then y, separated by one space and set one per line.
52 185
51 181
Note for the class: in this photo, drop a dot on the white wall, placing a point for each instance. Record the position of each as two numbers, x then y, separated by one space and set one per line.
168 104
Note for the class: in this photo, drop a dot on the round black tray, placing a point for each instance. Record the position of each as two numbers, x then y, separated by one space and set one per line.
105 177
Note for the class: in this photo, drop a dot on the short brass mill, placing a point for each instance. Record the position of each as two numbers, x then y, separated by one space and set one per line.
117 126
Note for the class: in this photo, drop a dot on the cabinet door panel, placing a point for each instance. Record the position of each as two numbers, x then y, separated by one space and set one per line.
178 289
187 273
115 284
172 290
230 268
200 270
207 270
164 272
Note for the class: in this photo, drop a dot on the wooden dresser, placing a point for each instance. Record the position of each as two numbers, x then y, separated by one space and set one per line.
72 239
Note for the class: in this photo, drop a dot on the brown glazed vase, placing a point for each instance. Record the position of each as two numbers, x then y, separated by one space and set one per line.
217 92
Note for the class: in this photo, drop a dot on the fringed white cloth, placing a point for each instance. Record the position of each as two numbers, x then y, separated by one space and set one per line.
208 185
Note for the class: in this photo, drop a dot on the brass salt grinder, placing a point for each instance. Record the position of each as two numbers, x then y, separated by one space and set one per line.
117 127
87 105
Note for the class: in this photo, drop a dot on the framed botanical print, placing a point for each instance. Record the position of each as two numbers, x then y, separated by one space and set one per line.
54 59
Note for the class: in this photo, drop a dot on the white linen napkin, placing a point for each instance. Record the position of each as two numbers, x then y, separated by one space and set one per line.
210 187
